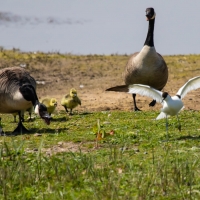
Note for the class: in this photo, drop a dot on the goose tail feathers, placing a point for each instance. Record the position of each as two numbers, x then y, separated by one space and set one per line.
120 88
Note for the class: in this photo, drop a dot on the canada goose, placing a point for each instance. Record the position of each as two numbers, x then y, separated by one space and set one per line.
147 66
171 105
70 100
17 92
51 104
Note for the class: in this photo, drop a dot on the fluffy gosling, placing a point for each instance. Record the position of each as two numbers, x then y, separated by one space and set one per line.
51 104
70 101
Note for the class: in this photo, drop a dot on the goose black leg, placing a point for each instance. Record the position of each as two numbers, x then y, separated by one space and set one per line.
134 103
20 127
153 103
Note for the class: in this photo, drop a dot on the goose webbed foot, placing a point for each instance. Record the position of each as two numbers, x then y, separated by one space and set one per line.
153 103
136 109
20 129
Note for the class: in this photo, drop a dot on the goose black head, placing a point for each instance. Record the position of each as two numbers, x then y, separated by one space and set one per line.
150 14
41 109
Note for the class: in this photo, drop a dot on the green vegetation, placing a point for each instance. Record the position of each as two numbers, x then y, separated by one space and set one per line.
100 155
134 162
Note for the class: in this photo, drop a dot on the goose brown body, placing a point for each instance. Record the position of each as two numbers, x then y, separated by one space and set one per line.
146 67
11 100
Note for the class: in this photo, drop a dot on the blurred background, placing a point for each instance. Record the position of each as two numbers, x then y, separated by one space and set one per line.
99 27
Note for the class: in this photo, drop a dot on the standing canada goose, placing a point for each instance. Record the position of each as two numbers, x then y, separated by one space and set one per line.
171 105
147 66
17 93
51 104
70 100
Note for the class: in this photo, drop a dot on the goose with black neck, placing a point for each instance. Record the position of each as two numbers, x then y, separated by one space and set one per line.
145 67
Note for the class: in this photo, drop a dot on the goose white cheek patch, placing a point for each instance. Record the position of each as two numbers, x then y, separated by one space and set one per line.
154 16
36 110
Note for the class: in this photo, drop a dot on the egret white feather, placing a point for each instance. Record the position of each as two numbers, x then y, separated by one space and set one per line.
192 84
146 90
171 105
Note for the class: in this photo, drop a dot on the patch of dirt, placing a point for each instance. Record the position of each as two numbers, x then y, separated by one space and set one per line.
92 75
67 147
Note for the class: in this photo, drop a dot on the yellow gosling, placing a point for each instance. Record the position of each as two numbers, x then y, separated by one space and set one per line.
70 101
51 104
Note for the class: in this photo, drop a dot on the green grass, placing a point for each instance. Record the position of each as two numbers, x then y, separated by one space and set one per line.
62 161
136 162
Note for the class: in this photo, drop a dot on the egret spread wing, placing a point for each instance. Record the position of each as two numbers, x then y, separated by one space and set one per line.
192 84
146 90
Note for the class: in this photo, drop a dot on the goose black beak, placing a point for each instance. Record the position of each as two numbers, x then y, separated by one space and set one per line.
46 118
148 15
44 114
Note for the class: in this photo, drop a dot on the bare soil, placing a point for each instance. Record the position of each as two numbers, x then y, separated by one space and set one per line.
91 75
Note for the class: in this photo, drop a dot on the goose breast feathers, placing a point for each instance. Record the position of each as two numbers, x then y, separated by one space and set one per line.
146 67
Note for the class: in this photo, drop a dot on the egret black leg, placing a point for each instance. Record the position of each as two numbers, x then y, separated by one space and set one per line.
179 124
167 128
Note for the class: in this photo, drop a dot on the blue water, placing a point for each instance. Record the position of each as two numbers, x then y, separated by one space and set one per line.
98 27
